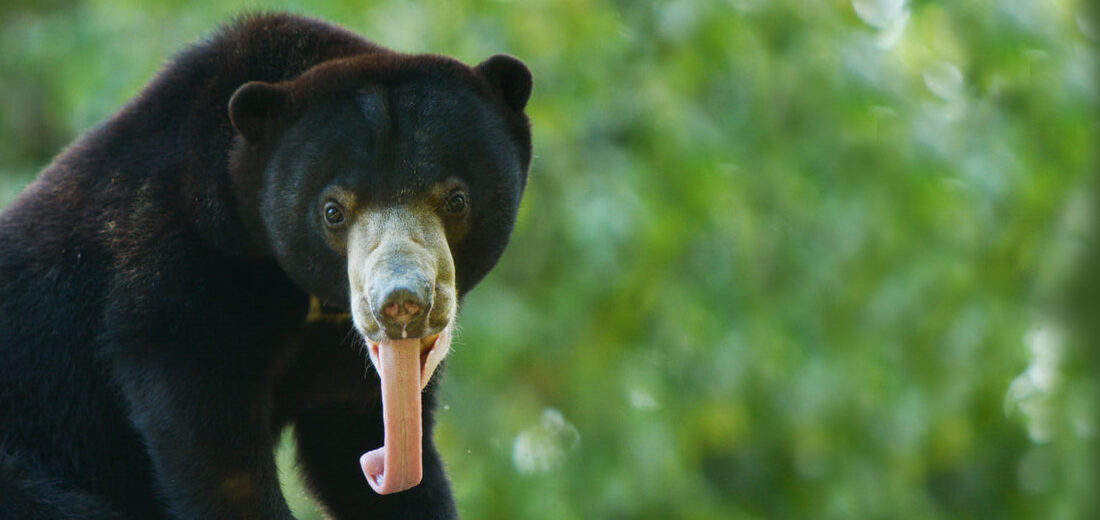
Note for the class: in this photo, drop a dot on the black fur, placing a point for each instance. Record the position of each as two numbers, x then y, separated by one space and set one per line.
155 278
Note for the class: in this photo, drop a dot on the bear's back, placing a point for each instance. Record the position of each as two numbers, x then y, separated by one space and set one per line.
118 183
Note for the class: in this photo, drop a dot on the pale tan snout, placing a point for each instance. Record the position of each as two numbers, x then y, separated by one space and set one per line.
401 273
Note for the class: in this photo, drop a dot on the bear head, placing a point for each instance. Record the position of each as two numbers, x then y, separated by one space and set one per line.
386 184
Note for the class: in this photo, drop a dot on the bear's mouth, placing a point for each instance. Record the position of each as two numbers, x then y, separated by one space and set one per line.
430 356
404 366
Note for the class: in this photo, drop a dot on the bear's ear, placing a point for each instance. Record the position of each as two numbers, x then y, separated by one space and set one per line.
509 77
254 108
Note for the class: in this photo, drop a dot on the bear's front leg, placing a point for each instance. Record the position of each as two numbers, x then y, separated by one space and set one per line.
330 442
331 395
207 430
191 341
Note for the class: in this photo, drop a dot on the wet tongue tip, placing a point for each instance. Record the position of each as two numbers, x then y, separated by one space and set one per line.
396 466
374 465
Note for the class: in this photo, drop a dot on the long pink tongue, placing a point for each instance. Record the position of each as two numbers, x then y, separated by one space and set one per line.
396 466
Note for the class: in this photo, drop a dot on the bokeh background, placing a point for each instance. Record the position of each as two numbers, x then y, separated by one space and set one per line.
777 259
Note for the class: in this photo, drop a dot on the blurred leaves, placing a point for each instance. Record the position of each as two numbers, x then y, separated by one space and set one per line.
776 259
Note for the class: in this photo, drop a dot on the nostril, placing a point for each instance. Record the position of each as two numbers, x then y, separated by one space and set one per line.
391 310
407 309
401 305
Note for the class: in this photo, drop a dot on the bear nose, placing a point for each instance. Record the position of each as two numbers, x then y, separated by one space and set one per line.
400 308
403 312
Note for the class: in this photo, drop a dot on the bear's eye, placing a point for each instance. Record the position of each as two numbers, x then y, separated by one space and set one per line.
456 203
334 214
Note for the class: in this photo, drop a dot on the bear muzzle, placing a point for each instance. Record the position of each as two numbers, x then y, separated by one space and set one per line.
403 303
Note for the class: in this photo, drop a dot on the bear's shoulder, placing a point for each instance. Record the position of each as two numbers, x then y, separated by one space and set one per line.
268 47
279 46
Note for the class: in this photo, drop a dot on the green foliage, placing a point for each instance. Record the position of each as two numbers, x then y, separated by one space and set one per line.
777 259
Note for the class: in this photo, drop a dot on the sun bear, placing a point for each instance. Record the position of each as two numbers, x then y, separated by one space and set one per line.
277 230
